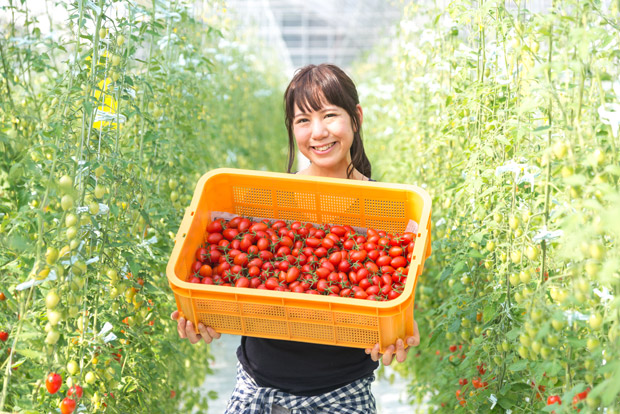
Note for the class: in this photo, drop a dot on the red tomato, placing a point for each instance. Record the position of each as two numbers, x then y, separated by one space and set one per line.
53 382
196 266
242 282
77 390
67 406
207 281
345 293
272 283
278 224
384 243
215 227
230 233
205 270
292 274
253 271
265 255
256 227
360 294
244 225
348 244
335 258
327 243
395 251
398 261
363 283
358 256
234 222
214 238
383 261
552 399
371 267
338 230
322 285
214 256
322 272
320 251
344 266
263 244
201 254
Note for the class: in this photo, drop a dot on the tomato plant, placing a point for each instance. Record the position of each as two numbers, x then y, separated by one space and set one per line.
508 115
107 119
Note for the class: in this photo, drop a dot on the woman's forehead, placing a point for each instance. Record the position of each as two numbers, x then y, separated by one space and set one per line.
305 105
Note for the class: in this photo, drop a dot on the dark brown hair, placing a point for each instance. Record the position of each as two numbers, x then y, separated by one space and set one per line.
309 88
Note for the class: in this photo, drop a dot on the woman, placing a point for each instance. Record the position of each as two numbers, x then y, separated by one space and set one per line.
324 121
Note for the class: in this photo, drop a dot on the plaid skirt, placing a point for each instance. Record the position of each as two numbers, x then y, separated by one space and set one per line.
249 398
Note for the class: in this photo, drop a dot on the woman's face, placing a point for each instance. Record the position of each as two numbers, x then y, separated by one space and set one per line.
325 136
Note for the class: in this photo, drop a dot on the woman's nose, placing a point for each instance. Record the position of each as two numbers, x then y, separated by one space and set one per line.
318 130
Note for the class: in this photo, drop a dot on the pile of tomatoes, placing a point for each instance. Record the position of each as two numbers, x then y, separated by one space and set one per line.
296 257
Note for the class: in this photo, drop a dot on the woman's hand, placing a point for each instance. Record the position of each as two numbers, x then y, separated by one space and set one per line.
186 330
398 349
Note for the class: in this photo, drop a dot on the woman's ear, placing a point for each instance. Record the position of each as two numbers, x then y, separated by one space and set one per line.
360 115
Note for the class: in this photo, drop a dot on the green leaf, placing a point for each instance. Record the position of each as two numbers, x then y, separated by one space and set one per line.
518 366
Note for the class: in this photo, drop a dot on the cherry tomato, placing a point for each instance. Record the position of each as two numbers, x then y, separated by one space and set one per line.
53 381
67 406
215 227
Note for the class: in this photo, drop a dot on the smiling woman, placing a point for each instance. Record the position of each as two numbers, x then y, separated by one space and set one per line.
324 119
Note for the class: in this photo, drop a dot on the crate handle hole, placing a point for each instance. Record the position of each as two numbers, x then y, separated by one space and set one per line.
419 234
184 234
192 213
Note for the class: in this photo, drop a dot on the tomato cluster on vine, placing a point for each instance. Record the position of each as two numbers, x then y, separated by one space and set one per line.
300 257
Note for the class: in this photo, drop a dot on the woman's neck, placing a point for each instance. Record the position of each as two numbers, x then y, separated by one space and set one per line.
332 173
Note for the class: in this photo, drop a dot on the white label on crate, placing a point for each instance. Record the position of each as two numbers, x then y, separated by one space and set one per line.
412 226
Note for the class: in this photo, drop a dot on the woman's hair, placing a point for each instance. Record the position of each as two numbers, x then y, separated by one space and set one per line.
309 88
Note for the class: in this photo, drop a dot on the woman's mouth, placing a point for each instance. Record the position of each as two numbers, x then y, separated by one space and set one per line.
324 148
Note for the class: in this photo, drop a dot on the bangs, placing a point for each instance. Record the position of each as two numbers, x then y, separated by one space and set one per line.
313 89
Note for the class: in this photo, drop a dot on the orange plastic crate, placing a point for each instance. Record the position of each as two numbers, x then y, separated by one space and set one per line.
297 316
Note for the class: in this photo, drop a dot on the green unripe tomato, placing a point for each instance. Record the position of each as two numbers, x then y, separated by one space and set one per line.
597 251
52 337
490 245
498 217
51 255
99 191
596 321
514 279
513 222
120 40
72 367
536 346
505 346
66 202
553 340
51 299
93 208
71 220
99 171
53 317
531 252
65 183
515 256
592 344
525 339
90 378
71 232
545 352
525 276
523 352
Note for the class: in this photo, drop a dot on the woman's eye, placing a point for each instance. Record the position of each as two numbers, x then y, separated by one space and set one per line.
330 115
300 120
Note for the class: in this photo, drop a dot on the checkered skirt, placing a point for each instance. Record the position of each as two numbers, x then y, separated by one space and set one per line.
249 398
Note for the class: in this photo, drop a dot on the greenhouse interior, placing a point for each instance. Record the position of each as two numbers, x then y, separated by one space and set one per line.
186 191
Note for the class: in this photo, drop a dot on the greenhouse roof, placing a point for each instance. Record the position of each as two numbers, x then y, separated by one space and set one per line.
317 31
